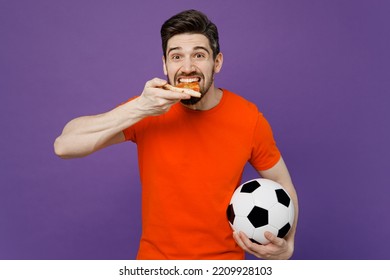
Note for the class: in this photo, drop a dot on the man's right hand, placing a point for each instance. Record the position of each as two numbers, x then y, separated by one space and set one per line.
157 101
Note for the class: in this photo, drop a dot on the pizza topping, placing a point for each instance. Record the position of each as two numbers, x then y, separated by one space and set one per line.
191 85
186 88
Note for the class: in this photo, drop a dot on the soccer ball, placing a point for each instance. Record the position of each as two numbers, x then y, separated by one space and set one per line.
258 206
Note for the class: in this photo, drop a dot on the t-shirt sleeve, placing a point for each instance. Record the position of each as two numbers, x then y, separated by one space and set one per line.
129 134
265 154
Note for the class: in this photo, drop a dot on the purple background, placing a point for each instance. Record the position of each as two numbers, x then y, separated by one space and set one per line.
318 70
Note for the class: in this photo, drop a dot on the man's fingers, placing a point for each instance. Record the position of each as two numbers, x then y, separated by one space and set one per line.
248 246
272 250
155 87
156 82
252 247
175 95
273 239
171 95
238 240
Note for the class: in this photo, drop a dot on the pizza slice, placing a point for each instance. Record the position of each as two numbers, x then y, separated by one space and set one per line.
192 89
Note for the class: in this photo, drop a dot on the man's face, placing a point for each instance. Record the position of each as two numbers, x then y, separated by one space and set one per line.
189 58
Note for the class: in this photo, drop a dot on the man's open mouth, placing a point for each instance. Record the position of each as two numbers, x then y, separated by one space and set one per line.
189 80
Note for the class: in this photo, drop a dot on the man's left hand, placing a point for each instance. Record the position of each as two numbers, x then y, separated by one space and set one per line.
277 249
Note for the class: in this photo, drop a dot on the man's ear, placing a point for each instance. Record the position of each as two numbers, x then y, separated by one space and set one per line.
218 63
164 66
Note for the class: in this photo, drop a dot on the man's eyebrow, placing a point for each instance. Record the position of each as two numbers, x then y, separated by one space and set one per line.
195 48
173 49
202 48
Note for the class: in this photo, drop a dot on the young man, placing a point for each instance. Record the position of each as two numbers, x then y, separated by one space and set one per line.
192 151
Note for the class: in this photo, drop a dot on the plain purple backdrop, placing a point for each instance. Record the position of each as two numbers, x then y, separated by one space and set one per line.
318 70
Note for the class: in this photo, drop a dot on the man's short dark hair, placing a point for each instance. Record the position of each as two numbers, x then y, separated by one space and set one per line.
192 22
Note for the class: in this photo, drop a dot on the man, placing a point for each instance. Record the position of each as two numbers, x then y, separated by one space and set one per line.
192 151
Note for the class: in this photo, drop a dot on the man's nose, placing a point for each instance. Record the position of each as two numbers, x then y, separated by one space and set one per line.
188 66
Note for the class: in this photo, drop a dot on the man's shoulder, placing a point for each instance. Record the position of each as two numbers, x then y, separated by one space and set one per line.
239 101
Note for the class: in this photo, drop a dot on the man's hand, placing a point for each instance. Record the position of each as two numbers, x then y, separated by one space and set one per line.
156 101
277 249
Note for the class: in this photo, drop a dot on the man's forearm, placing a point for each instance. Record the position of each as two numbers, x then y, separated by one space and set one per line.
85 135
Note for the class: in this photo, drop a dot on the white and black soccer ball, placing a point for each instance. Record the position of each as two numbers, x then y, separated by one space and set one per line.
258 206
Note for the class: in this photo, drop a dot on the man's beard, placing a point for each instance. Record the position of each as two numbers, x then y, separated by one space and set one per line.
192 101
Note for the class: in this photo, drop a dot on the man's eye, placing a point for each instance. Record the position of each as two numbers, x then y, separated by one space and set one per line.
175 57
200 55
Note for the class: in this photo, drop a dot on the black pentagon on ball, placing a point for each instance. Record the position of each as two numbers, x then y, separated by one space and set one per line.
230 213
283 197
258 217
250 187
254 241
284 230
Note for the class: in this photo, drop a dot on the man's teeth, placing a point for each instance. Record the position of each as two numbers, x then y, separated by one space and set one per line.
192 80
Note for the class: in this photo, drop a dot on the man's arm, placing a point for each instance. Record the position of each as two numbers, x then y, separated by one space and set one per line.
278 248
85 135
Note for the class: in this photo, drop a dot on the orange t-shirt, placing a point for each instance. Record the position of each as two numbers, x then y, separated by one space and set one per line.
190 164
